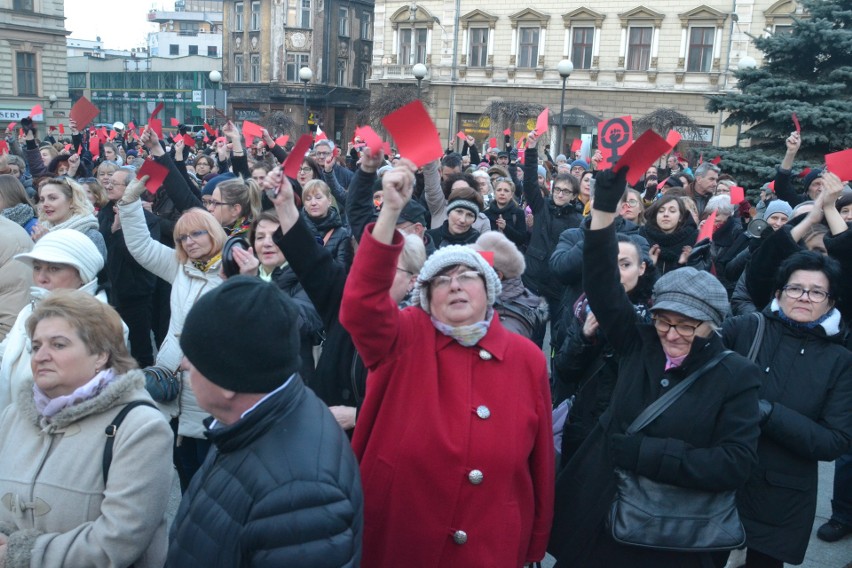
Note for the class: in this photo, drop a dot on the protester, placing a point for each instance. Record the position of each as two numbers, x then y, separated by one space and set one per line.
671 232
63 205
506 215
15 205
325 221
15 277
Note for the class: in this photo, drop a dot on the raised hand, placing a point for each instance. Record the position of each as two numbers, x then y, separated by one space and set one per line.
397 185
134 190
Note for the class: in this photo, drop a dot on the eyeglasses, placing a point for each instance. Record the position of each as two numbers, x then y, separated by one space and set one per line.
404 270
795 292
463 278
212 203
305 170
685 330
632 202
194 235
562 191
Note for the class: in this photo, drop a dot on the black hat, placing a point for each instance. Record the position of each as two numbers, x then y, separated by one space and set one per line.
502 154
260 326
413 212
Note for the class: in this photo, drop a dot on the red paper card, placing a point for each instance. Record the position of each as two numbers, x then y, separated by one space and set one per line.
83 112
68 148
189 140
95 146
156 125
840 164
706 231
576 145
157 110
700 158
282 140
614 138
492 142
210 130
206 139
36 111
804 172
251 131
11 126
112 134
156 175
4 147
541 125
297 156
772 186
716 161
371 139
488 255
102 134
20 133
461 135
737 195
415 133
673 138
131 126
641 154
51 128
174 122
796 123
508 132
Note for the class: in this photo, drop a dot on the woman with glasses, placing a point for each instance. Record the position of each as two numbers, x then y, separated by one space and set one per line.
63 204
313 170
192 269
705 440
235 203
456 428
633 209
322 216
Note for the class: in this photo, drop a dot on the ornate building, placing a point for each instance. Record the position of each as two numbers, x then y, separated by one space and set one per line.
628 58
265 44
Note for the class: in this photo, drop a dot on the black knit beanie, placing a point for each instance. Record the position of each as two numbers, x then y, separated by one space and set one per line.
243 336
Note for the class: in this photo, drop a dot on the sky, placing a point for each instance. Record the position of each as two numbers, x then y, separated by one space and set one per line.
121 24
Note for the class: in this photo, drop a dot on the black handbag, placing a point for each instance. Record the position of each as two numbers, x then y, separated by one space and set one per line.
651 514
161 383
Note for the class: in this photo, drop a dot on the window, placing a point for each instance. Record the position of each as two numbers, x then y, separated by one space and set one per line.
254 68
783 29
238 16
700 49
238 67
582 41
362 76
478 47
25 5
343 22
76 80
411 52
528 47
639 48
174 49
193 50
366 25
212 51
25 64
341 72
305 14
295 61
254 25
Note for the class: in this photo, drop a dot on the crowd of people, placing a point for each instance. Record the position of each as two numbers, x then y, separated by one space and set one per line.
359 364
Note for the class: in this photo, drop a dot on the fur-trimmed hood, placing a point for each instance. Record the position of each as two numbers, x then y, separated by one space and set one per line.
114 394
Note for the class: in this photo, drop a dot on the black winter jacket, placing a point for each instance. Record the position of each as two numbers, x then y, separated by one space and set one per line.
334 235
279 487
310 324
516 222
128 281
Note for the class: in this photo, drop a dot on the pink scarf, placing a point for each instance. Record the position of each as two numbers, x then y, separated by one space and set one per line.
50 407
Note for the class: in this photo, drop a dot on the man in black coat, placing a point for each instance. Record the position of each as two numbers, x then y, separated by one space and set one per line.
280 486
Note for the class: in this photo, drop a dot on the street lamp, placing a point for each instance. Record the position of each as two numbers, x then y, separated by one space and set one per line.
216 80
305 75
419 71
565 67
745 64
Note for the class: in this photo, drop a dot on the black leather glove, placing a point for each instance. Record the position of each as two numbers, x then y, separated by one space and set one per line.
624 450
609 189
766 409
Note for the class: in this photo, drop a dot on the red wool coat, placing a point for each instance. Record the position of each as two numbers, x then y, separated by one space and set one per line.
455 443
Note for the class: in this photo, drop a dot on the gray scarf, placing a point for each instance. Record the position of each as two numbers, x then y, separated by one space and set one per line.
20 213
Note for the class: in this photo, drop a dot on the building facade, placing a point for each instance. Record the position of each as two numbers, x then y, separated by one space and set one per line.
628 58
186 32
32 60
267 42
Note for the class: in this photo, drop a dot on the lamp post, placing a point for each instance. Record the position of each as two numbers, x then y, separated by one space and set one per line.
565 67
305 75
745 64
216 79
419 71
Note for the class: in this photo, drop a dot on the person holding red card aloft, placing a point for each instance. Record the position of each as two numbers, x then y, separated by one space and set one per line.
729 240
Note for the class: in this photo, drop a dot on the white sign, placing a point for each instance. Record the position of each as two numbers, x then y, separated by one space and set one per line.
14 115
196 96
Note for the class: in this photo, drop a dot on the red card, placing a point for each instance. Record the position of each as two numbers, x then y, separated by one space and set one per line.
11 126
36 111
251 131
20 133
83 112
156 175
174 122
796 123
371 140
189 140
95 146
68 148
415 133
4 147
51 128
804 172
102 134
282 140
840 164
641 154
576 145
673 138
210 130
156 125
461 135
206 139
508 132
716 161
131 126
488 255
297 156
614 138
737 194
112 135
772 186
706 231
700 158
492 142
541 122
157 110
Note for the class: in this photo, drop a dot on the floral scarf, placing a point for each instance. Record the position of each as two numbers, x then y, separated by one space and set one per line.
50 407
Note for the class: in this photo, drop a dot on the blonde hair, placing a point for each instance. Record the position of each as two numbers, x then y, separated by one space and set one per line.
242 192
97 324
76 194
196 219
318 185
413 255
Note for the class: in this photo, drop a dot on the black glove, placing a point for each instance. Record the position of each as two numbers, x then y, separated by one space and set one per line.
624 450
609 189
766 409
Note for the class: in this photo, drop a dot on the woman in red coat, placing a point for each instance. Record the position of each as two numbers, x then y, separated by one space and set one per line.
454 437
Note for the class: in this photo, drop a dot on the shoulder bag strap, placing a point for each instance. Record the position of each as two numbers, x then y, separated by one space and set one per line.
758 338
113 428
661 404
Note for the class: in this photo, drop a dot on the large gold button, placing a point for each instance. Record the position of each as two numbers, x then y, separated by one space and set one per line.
460 537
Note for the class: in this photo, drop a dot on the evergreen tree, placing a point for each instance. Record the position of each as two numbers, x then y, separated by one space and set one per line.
807 71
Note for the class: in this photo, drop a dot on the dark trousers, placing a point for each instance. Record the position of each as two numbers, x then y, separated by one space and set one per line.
755 559
841 503
136 313
189 456
161 311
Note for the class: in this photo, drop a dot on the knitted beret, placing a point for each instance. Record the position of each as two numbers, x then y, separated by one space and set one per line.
454 255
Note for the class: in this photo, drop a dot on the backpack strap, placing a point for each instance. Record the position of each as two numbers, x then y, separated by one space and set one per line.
758 338
112 429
